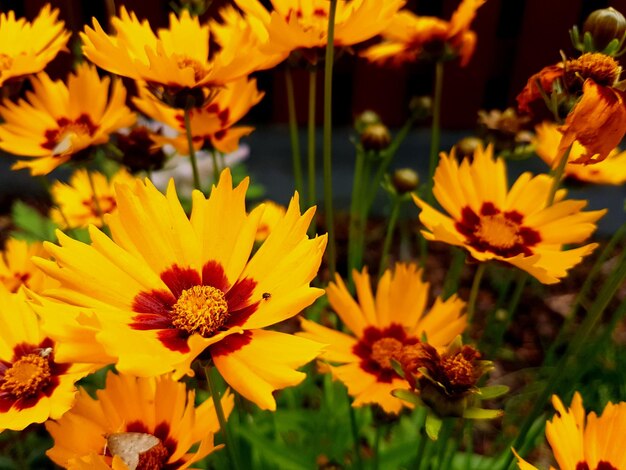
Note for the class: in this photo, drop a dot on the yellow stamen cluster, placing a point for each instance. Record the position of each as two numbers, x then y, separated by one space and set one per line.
601 68
200 309
498 231
458 370
26 376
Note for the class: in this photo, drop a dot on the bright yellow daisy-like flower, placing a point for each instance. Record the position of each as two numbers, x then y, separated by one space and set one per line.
17 269
78 205
303 24
25 47
516 226
612 170
144 422
211 124
382 327
57 121
174 62
409 37
33 385
585 443
170 288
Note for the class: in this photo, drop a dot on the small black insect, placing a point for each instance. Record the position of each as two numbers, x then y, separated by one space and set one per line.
267 296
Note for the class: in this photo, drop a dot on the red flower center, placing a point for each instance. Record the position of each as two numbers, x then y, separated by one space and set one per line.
501 233
377 347
602 465
59 140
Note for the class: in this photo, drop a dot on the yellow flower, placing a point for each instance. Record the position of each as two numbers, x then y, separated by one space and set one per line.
25 47
612 170
211 124
33 385
303 24
409 37
382 327
78 206
17 269
170 288
57 121
174 62
516 226
272 215
590 443
138 420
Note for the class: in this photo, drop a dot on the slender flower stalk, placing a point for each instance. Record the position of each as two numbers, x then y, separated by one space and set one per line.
471 304
192 150
355 251
293 131
435 131
558 175
216 166
311 149
327 150
231 447
96 201
391 227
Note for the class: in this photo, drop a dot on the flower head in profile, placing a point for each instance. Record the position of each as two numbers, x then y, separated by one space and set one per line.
78 206
382 328
213 124
33 385
516 226
175 63
17 269
588 442
155 425
57 122
303 24
172 288
612 170
27 47
588 87
409 37
272 215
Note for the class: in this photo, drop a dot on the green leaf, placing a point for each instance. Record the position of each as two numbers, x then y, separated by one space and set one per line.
32 226
407 395
433 426
280 456
492 391
481 413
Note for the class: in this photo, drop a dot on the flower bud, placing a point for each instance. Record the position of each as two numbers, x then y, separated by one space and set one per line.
375 137
604 25
365 119
405 180
467 145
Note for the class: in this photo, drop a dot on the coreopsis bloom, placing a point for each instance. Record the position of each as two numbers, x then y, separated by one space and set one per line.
272 215
612 170
515 226
33 385
144 422
25 47
57 122
212 124
382 327
77 204
172 288
585 443
17 269
176 63
597 119
409 37
303 24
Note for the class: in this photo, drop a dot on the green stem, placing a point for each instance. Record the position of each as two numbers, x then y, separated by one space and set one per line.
469 451
503 325
423 438
451 284
393 219
231 447
216 167
355 215
293 131
192 150
355 436
311 137
96 201
435 133
377 438
471 303
558 175
327 148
